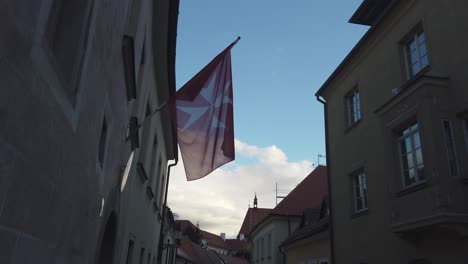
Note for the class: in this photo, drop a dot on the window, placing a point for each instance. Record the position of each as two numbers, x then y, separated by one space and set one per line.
128 54
67 29
130 252
142 255
269 245
147 109
411 158
353 107
416 55
312 261
450 144
153 156
263 248
102 142
465 128
257 251
360 191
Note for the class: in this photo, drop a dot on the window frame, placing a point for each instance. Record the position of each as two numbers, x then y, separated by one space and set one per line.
102 145
400 139
465 131
130 248
353 113
450 147
70 81
411 37
269 245
364 196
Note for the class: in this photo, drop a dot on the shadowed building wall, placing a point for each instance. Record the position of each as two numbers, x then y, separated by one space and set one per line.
65 108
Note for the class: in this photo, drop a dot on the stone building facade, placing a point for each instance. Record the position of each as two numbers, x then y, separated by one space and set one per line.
75 74
396 127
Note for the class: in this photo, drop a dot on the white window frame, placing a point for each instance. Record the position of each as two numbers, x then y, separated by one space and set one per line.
353 107
451 148
407 54
418 178
362 191
323 260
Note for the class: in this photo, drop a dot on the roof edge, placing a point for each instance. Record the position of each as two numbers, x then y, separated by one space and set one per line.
356 48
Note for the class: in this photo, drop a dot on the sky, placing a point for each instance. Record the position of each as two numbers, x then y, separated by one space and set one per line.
286 52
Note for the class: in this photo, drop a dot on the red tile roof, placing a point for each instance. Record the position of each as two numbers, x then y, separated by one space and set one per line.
235 244
214 240
308 194
233 260
188 250
252 217
184 224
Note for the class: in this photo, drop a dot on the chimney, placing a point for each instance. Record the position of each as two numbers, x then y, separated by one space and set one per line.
223 236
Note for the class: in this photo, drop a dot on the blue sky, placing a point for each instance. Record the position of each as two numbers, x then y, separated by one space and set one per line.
288 49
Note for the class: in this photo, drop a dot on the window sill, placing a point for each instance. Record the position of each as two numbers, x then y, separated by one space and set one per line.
417 76
412 188
360 213
350 127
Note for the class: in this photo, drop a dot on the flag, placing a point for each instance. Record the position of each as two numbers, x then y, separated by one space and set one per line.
205 124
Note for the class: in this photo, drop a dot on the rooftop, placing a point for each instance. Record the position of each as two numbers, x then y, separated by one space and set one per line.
308 194
369 11
252 217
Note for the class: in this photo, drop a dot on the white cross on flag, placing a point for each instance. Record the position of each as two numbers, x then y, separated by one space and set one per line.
205 124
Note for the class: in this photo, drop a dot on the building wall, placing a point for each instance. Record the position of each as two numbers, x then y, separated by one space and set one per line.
305 251
56 196
376 69
279 228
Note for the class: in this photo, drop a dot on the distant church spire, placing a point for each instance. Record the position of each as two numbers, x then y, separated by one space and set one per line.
255 201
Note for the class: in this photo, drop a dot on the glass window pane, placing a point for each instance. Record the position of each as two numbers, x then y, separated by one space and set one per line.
414 126
409 160
405 132
422 49
414 57
412 173
412 46
421 172
424 61
358 203
408 144
410 179
419 158
417 140
421 38
416 68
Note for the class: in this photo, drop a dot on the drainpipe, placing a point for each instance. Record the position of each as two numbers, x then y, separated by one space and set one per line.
330 204
163 217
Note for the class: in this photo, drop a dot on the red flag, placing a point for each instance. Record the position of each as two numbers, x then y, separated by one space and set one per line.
205 124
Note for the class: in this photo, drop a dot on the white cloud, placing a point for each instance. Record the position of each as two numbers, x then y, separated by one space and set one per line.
220 200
